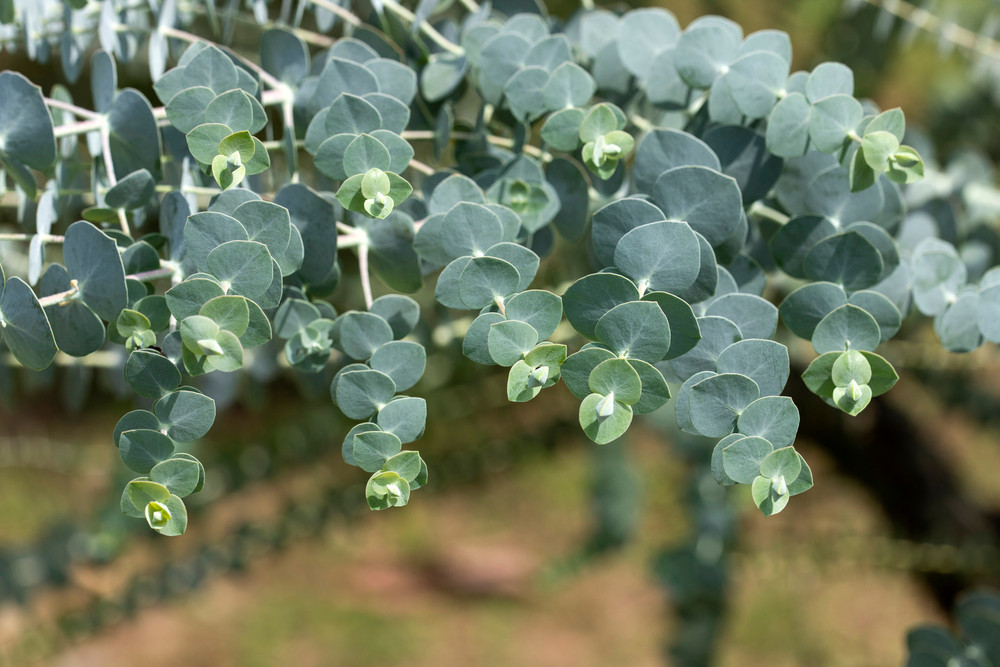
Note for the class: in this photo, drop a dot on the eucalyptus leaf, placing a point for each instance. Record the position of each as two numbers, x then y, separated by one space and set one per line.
742 458
636 330
404 417
402 360
774 418
604 429
186 415
142 449
150 374
590 297
718 401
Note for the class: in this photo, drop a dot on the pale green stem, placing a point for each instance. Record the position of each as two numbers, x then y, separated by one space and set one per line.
46 238
334 8
425 169
109 165
267 98
425 27
697 104
190 189
79 127
166 270
471 5
366 281
352 237
99 359
351 240
935 25
314 38
288 113
641 123
765 211
72 108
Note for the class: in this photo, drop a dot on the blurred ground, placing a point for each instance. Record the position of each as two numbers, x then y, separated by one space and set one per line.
459 578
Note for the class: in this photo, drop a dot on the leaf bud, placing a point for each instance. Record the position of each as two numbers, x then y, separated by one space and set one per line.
606 406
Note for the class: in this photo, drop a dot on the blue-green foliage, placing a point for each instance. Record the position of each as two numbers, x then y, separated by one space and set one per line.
977 617
691 162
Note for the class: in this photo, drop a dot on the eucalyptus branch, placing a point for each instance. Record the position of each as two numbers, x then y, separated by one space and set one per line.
930 23
109 164
72 108
314 38
99 359
366 280
351 240
269 97
166 270
46 238
425 27
78 127
641 297
336 9
763 210
190 189
641 123
109 168
423 168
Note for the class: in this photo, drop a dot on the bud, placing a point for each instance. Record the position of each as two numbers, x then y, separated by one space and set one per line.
606 406
854 390
157 515
538 376
210 347
778 486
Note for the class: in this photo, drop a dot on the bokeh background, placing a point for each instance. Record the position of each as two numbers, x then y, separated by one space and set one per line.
532 546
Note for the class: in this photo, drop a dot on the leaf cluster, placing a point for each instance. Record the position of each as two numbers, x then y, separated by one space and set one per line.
695 176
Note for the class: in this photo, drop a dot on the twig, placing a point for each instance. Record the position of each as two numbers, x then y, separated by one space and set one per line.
166 270
46 238
425 169
366 281
314 38
72 108
425 27
190 189
766 211
334 8
352 240
79 127
951 32
109 164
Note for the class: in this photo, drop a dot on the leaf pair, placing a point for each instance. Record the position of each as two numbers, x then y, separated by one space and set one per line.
374 193
849 379
880 152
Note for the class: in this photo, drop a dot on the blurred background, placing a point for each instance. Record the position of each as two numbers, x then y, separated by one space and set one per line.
533 546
